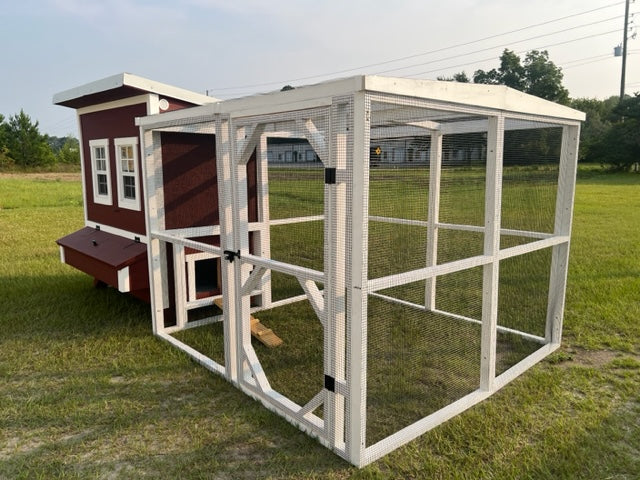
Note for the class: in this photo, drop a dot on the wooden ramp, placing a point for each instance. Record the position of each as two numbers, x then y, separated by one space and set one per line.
258 330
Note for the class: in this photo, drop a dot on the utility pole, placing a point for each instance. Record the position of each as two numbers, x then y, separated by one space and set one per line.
624 48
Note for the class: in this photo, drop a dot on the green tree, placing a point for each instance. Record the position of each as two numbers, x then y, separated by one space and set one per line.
620 145
69 152
27 147
460 77
537 75
543 78
5 160
598 122
510 73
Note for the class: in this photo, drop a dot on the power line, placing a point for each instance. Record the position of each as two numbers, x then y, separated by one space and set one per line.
587 62
282 82
600 57
521 51
499 46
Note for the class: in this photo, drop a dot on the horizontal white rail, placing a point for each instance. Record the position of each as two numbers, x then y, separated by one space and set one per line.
275 265
532 247
399 221
426 272
287 221
459 227
203 247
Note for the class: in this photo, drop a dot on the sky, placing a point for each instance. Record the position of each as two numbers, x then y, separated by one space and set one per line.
232 48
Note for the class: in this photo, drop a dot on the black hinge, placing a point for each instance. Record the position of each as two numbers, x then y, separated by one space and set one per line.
330 175
330 383
231 255
136 239
97 227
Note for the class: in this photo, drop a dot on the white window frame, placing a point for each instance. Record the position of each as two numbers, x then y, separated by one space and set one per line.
123 202
97 196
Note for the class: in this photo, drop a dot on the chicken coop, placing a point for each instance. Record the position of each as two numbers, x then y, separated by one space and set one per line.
401 262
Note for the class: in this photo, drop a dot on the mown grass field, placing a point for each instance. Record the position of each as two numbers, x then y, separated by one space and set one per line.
88 392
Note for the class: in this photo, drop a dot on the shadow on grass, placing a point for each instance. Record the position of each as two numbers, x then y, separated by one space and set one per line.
89 392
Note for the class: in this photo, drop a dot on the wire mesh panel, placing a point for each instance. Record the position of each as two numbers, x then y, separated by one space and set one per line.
530 180
529 196
523 297
296 209
426 208
418 362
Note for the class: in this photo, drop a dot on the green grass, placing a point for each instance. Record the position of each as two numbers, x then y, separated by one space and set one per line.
88 392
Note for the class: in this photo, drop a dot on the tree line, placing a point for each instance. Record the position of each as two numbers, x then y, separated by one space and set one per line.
23 146
611 133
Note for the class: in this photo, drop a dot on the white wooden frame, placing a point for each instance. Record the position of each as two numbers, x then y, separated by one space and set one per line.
98 197
131 204
242 126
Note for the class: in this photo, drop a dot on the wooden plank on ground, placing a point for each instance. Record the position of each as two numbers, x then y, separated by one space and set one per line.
258 330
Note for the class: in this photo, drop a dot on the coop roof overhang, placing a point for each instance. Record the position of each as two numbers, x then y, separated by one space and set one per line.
483 99
124 85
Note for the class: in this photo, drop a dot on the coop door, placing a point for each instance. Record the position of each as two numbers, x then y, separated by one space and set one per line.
281 229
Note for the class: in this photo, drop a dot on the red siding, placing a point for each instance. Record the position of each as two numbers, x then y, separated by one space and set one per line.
111 124
190 180
175 104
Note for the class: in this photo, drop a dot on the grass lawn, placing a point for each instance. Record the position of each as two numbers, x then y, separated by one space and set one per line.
88 392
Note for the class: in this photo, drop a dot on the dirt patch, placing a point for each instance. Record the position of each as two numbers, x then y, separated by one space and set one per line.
589 358
19 446
52 176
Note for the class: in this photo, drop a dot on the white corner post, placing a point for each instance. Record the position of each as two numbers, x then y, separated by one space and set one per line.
491 271
335 207
357 283
154 217
562 227
435 170
225 199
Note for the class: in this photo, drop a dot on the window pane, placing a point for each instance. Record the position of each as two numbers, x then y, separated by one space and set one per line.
129 187
102 185
126 151
127 166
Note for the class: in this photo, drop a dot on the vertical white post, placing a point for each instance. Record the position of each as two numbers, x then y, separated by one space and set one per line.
225 199
180 282
154 219
492 213
240 214
357 283
435 170
562 226
263 242
335 207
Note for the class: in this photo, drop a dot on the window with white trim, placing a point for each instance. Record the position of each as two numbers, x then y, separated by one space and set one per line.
127 162
100 171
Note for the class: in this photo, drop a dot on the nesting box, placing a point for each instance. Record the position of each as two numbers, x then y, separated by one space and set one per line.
412 254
